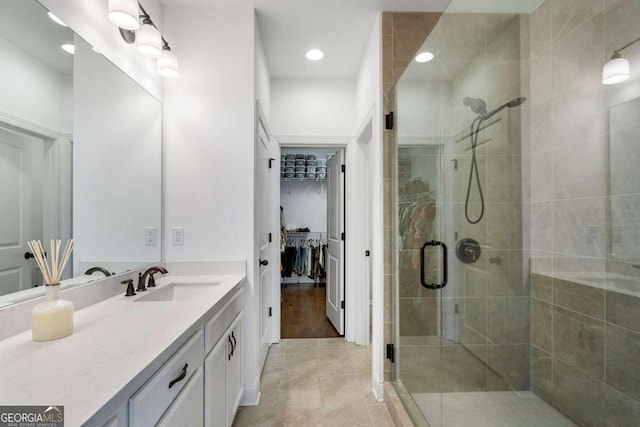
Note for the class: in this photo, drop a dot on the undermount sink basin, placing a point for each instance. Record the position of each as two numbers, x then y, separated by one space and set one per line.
178 292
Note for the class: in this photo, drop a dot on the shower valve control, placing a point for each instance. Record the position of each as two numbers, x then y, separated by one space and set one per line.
468 250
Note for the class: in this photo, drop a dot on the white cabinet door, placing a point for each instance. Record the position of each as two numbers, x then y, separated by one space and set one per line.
215 399
187 410
234 376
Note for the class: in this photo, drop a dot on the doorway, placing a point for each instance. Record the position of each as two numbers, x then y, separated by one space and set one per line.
312 264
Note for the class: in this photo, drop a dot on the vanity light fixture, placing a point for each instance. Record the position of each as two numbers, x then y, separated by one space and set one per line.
314 55
149 41
69 48
424 57
168 63
124 14
55 19
617 69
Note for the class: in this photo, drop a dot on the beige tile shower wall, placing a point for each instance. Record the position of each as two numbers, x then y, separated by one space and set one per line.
585 345
570 42
582 338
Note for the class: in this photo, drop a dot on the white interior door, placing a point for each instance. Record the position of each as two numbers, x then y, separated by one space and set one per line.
335 240
265 166
16 196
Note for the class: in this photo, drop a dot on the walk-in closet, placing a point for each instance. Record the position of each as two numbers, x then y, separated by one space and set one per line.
304 195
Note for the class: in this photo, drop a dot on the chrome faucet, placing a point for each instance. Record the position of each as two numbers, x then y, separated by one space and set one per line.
100 269
142 278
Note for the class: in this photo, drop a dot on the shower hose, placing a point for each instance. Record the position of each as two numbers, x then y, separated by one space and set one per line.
475 130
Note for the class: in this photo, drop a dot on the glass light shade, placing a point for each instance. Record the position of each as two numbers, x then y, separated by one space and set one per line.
424 56
168 64
124 14
149 40
615 71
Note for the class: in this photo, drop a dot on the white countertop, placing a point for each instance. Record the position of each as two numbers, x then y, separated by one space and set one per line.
116 345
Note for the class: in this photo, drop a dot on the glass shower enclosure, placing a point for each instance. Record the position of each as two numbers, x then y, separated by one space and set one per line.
507 247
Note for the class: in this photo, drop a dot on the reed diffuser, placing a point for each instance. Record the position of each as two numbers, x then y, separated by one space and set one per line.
52 318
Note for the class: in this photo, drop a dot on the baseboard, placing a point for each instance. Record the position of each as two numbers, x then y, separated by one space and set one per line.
250 396
378 389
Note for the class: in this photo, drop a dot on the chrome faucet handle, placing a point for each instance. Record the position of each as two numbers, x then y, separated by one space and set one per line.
130 291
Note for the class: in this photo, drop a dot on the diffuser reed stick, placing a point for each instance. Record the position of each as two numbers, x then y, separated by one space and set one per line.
51 272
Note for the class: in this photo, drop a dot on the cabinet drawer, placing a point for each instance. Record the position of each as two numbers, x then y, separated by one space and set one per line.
188 409
220 322
152 400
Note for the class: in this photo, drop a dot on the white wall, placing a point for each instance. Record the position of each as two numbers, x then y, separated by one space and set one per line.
34 91
262 75
305 204
208 132
314 107
88 18
369 105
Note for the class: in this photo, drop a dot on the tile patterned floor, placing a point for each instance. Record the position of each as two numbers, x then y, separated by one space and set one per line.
323 382
489 409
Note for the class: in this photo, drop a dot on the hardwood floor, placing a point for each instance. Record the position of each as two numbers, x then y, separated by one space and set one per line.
304 313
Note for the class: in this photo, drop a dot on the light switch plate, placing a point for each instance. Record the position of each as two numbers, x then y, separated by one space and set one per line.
177 236
151 236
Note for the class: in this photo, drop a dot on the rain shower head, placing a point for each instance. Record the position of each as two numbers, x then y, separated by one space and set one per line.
477 105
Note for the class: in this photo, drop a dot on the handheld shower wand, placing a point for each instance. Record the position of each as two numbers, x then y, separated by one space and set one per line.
479 107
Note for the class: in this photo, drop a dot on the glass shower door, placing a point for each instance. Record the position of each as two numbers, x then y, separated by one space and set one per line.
462 347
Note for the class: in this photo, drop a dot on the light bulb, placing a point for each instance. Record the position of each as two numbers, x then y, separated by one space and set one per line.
149 40
168 64
424 57
124 14
314 55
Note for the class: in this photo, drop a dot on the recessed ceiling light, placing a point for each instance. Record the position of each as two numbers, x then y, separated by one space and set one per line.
424 56
69 48
55 19
314 55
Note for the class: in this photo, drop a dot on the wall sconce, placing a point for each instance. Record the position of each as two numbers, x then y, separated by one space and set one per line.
617 69
126 15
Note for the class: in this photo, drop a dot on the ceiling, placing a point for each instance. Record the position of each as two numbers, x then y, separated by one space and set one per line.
26 25
341 28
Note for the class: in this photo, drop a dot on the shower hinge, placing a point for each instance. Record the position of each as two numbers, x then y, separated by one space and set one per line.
455 308
270 238
270 312
455 163
391 353
455 236
388 118
342 305
271 160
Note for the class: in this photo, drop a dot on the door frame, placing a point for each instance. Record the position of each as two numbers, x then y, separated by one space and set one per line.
357 318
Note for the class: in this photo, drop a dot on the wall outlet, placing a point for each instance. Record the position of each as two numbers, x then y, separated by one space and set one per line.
177 236
151 236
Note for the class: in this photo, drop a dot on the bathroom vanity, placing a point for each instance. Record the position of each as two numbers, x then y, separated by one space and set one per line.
171 353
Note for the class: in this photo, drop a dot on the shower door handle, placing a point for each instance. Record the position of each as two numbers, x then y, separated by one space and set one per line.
444 265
